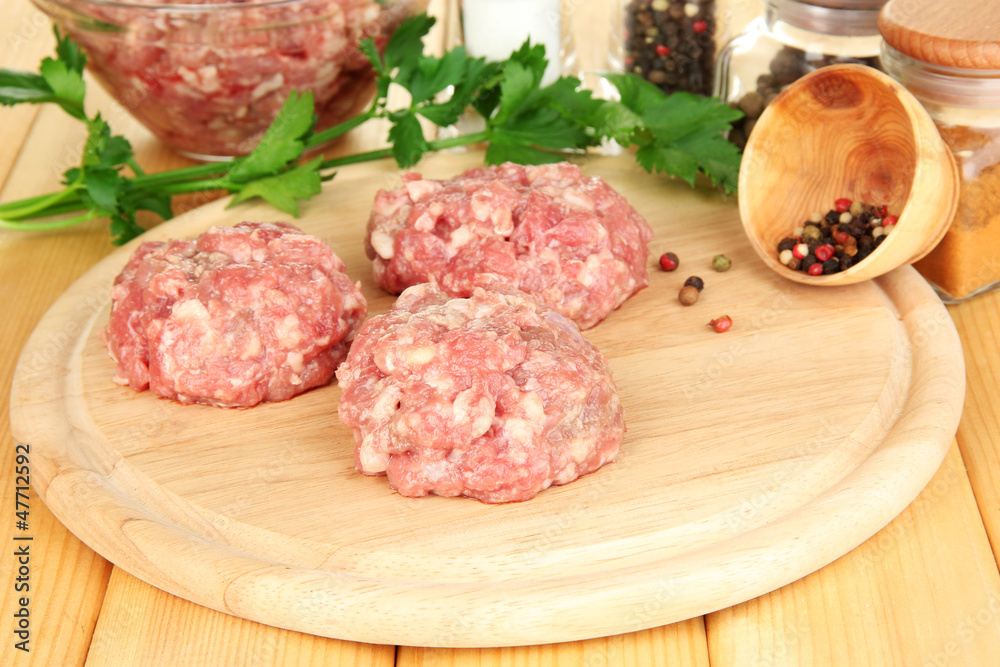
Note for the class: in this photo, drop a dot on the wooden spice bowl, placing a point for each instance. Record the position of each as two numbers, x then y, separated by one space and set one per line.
847 131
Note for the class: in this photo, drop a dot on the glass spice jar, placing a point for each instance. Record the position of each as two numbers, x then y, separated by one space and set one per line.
673 43
791 39
965 105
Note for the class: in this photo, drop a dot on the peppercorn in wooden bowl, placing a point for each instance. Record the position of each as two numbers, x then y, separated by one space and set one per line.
847 132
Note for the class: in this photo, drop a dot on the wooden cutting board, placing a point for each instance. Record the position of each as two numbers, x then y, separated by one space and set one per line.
752 457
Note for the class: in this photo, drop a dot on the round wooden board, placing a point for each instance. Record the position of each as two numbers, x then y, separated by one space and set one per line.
752 458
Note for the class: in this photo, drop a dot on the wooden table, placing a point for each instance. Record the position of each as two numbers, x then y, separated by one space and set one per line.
923 591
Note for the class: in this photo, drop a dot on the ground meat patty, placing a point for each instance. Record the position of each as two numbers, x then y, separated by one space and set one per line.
240 315
568 240
493 397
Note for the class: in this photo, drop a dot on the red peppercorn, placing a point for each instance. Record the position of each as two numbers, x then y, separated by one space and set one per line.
800 250
842 204
721 324
669 261
889 220
699 26
662 50
824 252
884 211
841 237
815 269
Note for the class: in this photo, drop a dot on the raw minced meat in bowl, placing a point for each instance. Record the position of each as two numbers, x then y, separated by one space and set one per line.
207 77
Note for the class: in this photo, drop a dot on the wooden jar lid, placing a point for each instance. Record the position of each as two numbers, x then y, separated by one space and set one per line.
949 33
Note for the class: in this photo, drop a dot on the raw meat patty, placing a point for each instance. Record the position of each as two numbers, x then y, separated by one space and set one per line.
568 240
240 315
493 397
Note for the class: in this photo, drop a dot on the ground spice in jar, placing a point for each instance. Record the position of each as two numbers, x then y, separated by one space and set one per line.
671 43
788 66
968 257
836 241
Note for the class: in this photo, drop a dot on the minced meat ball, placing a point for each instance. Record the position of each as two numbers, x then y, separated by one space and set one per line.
569 240
241 315
493 396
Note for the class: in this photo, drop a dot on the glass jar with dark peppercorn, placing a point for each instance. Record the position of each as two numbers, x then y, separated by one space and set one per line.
673 43
790 40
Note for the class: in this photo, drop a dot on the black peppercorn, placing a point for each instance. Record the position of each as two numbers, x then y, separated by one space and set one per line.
787 243
696 282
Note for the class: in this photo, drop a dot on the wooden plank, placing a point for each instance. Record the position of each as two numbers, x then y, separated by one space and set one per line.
141 625
901 598
681 643
67 580
978 323
25 38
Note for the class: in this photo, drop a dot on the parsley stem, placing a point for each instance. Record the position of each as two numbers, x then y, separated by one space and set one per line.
35 207
435 145
188 187
341 129
184 174
356 158
50 224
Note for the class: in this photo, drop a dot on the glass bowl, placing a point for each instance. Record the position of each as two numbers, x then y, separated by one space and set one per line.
207 77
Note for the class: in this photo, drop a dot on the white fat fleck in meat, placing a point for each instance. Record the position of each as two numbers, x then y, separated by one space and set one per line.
481 204
190 310
296 361
383 244
420 355
492 396
267 86
420 190
476 408
287 330
503 221
459 237
424 223
579 199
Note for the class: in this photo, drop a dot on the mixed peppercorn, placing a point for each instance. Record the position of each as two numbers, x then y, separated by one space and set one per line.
835 242
693 285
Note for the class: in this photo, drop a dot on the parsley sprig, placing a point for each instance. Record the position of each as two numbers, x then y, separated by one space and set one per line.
522 121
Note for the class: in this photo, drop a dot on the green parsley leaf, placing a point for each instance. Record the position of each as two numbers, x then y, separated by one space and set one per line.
635 92
282 142
477 74
406 46
67 86
407 138
678 134
157 202
284 189
518 83
433 75
504 148
124 228
68 52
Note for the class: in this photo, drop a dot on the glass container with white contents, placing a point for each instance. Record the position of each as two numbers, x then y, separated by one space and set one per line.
493 29
791 39
948 56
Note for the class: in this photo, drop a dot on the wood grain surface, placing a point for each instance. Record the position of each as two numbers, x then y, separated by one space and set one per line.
952 33
910 580
731 465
